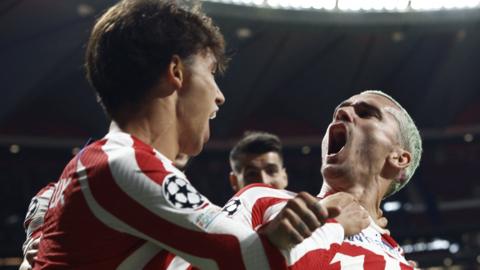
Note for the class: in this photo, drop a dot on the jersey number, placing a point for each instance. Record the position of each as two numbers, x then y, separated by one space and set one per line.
349 262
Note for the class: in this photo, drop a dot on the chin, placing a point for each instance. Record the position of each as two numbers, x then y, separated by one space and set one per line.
335 175
194 150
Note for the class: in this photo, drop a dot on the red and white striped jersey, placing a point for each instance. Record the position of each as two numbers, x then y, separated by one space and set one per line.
35 215
120 204
372 248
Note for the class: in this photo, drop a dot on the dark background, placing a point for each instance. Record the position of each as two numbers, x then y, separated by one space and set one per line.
288 72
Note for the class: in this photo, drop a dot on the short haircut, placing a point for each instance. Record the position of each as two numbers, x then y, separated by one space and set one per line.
409 137
133 42
256 143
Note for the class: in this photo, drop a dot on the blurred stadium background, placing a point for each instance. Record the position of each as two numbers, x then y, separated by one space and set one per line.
292 64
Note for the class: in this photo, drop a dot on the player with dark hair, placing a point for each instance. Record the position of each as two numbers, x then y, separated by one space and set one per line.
257 158
120 203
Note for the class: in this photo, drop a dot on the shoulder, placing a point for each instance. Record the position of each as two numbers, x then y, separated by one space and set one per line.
257 191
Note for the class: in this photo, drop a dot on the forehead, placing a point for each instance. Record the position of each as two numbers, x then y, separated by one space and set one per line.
378 101
256 160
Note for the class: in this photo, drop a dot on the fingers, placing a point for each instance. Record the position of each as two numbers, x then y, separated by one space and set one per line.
339 199
297 220
412 263
333 211
309 210
353 218
382 222
298 228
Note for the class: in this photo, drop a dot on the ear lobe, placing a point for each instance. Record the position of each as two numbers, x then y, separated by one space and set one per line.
233 182
175 72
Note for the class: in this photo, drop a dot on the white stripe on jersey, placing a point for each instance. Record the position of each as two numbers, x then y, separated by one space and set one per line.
178 263
141 257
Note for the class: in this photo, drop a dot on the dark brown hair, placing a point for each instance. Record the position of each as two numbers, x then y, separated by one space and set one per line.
257 143
133 42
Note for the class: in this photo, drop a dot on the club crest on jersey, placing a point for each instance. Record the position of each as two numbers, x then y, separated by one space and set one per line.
181 194
231 208
32 209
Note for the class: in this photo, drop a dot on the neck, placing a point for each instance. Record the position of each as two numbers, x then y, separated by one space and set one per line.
369 197
156 125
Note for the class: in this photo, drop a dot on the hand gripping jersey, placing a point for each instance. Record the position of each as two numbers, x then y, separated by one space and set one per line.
120 204
372 248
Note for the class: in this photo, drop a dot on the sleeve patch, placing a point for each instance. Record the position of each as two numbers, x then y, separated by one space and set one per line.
181 194
232 206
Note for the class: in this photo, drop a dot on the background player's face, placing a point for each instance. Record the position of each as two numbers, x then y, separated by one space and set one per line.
198 101
359 140
260 168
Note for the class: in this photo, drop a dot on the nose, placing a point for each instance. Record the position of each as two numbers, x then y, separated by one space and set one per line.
343 115
219 98
265 177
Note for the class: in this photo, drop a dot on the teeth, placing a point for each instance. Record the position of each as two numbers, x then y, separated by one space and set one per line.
213 115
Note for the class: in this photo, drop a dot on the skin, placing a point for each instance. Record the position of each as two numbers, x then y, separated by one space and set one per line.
372 157
260 168
175 118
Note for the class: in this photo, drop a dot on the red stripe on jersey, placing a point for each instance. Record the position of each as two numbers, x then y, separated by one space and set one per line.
315 259
275 258
241 191
151 167
387 238
161 261
259 208
371 261
222 248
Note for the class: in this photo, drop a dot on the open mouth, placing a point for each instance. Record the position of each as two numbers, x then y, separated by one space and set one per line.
213 115
337 138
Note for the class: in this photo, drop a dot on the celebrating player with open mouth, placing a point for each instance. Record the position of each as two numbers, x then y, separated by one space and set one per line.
120 203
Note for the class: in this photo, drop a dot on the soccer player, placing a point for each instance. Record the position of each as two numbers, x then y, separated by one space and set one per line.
257 158
120 203
37 208
370 150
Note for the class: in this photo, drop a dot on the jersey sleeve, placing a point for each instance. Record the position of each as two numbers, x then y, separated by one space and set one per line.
258 204
34 218
135 192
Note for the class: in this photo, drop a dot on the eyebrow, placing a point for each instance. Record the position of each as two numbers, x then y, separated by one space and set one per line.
347 103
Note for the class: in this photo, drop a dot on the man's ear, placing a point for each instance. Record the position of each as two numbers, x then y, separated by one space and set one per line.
234 182
175 72
397 161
